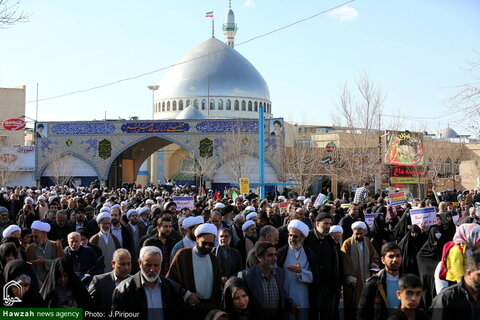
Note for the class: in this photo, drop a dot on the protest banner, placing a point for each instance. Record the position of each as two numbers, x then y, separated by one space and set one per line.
184 202
397 198
283 206
427 216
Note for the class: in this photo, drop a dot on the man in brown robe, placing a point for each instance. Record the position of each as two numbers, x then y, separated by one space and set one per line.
358 257
197 271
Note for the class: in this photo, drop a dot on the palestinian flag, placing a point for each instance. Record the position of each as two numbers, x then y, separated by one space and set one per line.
209 14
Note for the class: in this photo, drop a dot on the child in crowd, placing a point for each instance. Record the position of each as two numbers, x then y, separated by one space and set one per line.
410 294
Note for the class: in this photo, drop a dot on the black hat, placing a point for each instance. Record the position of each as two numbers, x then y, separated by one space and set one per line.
323 215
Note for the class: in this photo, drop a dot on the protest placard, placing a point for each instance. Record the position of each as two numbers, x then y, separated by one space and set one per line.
427 216
397 198
184 202
321 198
369 217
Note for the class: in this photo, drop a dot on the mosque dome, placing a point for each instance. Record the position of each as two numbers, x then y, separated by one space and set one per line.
449 133
190 113
214 69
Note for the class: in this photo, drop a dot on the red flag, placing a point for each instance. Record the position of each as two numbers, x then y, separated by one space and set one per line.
204 193
216 196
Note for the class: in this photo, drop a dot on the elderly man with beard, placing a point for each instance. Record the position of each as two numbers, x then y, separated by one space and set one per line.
266 282
148 294
298 264
197 270
42 251
358 257
119 229
327 258
379 299
163 241
83 259
105 240
248 242
189 224
60 228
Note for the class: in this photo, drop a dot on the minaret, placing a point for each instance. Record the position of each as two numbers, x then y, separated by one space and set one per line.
229 27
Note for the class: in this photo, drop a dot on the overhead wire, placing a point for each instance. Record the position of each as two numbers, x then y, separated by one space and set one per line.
189 60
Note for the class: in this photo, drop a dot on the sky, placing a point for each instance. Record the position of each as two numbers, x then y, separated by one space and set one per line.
417 52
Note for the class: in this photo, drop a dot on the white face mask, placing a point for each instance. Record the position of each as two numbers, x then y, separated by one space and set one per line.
438 235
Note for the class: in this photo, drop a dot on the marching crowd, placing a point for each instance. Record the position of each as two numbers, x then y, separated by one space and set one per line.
134 253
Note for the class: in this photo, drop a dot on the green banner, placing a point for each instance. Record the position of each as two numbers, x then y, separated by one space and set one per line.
41 313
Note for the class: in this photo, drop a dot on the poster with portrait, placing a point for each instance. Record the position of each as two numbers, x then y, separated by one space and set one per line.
404 148
41 130
276 127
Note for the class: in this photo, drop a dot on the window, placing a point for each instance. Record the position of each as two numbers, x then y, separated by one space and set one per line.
456 166
244 105
163 106
204 104
174 105
220 104
229 104
195 103
186 165
187 104
304 143
255 107
249 105
236 105
212 104
168 105
180 104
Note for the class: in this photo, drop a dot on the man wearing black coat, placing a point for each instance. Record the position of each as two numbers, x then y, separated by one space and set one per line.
460 301
164 299
328 282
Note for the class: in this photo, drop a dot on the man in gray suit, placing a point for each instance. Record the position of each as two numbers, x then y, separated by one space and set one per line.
102 286
266 282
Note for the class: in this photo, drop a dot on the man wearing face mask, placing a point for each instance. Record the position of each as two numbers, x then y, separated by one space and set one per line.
248 242
358 257
460 301
105 240
197 271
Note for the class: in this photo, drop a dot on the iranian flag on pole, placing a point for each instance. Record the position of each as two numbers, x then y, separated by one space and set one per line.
209 14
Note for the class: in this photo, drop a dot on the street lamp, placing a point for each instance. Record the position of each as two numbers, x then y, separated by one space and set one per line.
153 88
153 163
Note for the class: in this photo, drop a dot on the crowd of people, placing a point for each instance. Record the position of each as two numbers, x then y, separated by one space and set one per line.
133 252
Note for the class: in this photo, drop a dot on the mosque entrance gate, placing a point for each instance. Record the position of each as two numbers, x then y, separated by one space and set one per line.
100 143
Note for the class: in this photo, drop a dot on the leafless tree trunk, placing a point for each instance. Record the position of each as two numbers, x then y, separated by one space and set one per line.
8 173
61 168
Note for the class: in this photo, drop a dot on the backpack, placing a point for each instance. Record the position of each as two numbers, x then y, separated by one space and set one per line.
443 266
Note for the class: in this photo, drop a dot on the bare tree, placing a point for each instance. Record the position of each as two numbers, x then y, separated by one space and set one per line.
237 147
10 14
358 120
8 173
61 168
467 100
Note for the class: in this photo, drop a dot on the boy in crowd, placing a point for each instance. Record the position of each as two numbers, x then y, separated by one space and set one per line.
409 294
